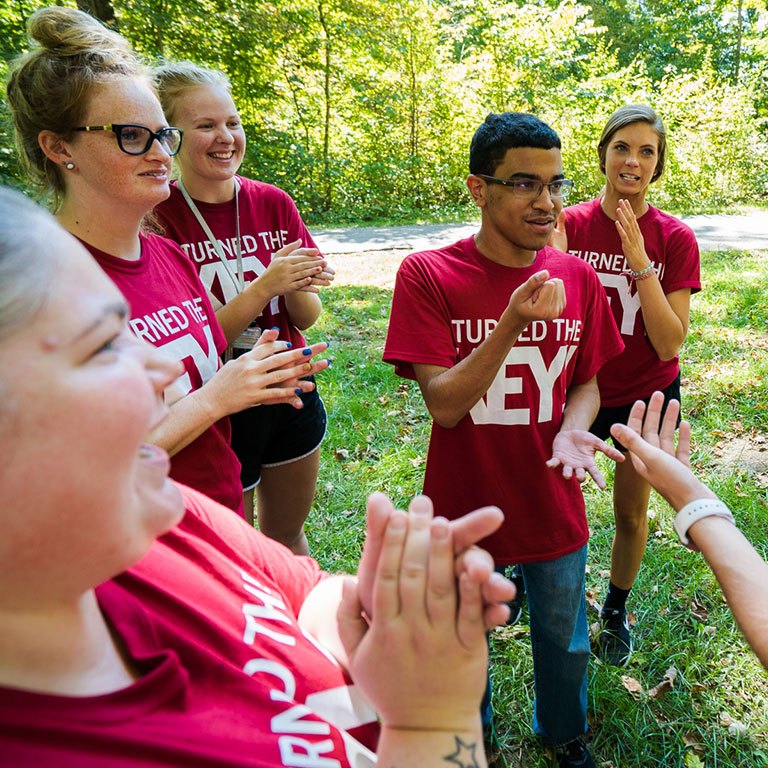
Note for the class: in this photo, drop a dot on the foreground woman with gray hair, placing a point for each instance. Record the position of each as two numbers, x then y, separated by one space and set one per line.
144 624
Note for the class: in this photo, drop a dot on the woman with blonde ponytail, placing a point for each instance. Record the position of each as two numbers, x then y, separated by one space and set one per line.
261 266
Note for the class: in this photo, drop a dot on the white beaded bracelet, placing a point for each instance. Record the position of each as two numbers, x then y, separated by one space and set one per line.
695 511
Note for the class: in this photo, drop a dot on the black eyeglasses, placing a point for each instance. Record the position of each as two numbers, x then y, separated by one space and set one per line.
531 188
137 139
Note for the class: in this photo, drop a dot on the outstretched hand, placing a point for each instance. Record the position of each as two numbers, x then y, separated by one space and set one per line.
574 450
654 455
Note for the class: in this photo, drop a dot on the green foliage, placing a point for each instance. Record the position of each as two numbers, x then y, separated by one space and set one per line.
364 110
714 142
377 440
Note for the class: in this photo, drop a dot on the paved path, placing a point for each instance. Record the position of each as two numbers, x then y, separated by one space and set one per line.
745 232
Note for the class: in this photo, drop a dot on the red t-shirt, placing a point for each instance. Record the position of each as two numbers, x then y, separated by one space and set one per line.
209 616
170 310
268 220
445 303
672 248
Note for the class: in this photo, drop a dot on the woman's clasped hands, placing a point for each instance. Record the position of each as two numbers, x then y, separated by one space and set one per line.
414 622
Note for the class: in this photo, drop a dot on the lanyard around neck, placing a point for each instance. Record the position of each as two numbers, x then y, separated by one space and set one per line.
238 278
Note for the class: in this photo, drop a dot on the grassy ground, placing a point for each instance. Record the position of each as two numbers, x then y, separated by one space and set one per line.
716 714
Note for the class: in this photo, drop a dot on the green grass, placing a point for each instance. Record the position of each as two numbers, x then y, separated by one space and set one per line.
378 432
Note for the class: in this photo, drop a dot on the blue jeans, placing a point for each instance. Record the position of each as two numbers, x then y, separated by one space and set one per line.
560 643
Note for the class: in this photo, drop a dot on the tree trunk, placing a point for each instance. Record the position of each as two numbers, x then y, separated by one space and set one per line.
101 9
413 116
327 50
739 31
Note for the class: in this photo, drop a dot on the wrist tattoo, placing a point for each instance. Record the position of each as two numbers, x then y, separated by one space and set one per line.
464 756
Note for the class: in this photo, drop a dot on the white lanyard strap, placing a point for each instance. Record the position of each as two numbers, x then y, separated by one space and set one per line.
239 278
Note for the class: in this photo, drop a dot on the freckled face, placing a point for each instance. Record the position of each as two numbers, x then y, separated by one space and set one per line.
86 496
138 182
214 139
630 159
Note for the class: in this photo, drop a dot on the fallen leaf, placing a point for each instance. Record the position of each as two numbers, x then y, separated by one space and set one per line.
348 512
512 633
593 601
698 611
691 740
692 760
341 454
735 727
418 461
634 687
667 684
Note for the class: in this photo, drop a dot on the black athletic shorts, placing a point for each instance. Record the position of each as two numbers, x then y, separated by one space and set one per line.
270 435
619 414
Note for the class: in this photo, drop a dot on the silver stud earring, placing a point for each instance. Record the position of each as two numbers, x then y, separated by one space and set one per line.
69 166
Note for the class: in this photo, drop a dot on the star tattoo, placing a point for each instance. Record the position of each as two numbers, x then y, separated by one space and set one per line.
464 756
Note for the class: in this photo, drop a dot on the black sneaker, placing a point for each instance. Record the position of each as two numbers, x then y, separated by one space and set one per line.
575 754
614 646
515 575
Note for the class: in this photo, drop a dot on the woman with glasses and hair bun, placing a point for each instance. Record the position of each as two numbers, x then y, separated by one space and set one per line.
648 263
261 267
90 130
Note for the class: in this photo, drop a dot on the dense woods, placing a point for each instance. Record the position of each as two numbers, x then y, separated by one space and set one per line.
364 109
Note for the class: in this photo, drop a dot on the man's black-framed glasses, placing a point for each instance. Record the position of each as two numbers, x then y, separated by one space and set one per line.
532 188
137 139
